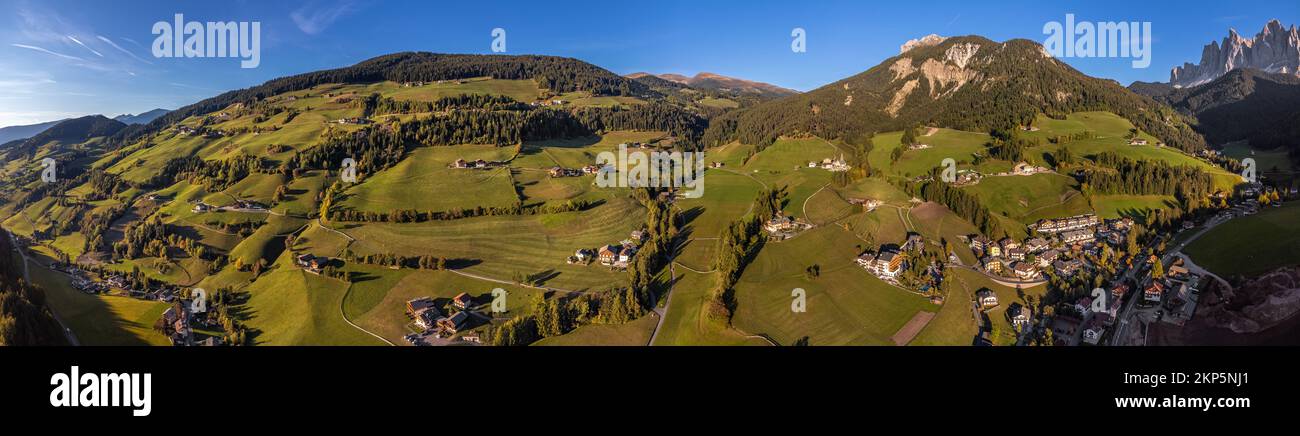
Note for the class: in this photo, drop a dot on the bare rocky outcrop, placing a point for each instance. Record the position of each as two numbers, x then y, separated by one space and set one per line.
1258 304
925 41
900 96
901 68
961 54
944 78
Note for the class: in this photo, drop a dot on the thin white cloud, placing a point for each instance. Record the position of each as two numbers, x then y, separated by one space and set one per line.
313 20
119 48
83 45
20 84
42 50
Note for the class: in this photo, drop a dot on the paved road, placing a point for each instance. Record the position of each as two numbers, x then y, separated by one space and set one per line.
999 279
1128 313
662 312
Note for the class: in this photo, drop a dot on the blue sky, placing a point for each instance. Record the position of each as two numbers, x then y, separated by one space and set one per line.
63 58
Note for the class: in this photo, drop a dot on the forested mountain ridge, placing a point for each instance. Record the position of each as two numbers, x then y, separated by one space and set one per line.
14 133
67 132
557 74
967 83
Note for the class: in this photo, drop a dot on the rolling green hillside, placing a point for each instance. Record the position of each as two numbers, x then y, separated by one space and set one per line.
227 193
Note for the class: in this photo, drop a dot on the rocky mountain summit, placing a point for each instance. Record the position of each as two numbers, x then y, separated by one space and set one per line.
1275 49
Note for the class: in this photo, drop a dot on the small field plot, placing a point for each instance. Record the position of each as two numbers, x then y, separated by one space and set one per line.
267 242
292 307
521 90
1030 198
943 144
425 182
790 154
845 304
1251 245
632 334
1267 162
875 189
381 307
1133 206
688 324
503 247
302 191
727 197
937 223
885 225
145 163
580 152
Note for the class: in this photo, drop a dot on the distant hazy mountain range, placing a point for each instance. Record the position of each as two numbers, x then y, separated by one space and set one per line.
143 118
719 82
1275 49
13 133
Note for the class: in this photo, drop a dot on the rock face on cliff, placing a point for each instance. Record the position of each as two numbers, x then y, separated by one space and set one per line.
1275 49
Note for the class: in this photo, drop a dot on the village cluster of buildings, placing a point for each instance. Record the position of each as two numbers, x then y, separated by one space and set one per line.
83 281
867 204
475 164
832 165
573 172
967 177
178 324
1019 315
785 227
612 255
886 264
433 322
1025 169
1086 321
889 261
1176 293
1061 247
1076 222
246 205
356 121
547 103
201 131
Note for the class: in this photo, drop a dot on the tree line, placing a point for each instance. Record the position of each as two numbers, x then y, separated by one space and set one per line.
25 319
